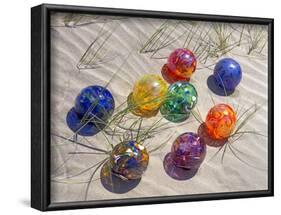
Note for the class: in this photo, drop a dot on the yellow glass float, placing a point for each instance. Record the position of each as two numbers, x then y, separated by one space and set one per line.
148 94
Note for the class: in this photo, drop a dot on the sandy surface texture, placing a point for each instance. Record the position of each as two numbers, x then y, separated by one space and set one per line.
117 55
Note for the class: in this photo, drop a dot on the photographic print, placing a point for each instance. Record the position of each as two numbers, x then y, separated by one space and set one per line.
147 107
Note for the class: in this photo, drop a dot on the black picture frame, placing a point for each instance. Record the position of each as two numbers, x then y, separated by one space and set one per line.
40 107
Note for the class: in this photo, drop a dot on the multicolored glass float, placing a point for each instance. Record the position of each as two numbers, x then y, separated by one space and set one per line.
181 99
80 126
188 151
228 74
180 66
220 121
147 96
129 160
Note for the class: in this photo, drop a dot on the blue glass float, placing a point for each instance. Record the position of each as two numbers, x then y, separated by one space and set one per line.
81 127
181 99
228 74
95 102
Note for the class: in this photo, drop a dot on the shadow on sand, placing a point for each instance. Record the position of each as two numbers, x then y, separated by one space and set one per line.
213 86
115 184
175 172
202 132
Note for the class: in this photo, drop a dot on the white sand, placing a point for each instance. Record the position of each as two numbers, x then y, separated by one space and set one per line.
67 47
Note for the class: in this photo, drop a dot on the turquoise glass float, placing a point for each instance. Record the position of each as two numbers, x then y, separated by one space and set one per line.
181 99
129 160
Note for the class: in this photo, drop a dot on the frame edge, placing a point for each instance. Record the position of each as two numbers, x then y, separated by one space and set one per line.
38 142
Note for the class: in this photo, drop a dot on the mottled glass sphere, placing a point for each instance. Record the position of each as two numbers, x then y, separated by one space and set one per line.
95 102
147 96
220 121
188 151
180 66
129 160
83 128
181 99
228 74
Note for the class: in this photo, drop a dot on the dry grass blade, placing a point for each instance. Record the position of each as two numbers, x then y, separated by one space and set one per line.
256 38
82 144
160 146
81 172
217 152
164 36
240 159
97 52
92 176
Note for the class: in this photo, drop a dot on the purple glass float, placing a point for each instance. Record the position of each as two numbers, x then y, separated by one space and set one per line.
187 154
188 151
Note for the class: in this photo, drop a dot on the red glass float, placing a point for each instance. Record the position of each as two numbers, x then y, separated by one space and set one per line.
180 66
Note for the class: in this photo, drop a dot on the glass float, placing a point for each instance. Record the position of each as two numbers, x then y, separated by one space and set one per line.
188 151
220 121
95 102
147 96
129 160
181 99
228 74
180 66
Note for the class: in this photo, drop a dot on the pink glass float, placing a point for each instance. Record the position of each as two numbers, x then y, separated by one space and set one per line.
180 66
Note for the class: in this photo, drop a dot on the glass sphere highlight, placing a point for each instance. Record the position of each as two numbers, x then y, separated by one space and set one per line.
180 66
188 151
181 99
129 160
220 121
228 74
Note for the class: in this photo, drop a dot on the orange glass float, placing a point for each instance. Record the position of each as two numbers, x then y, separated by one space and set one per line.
220 121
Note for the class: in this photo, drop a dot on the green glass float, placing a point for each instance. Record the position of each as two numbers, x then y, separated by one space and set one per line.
181 99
